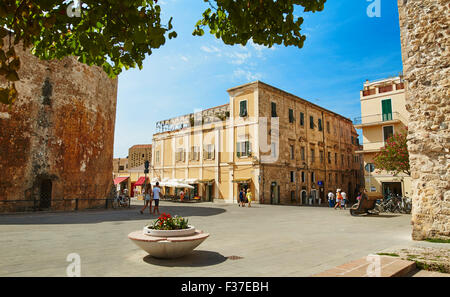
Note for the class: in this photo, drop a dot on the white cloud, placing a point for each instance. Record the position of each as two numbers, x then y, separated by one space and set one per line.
184 58
248 75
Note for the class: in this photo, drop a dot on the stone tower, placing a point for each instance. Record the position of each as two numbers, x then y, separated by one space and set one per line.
425 37
56 140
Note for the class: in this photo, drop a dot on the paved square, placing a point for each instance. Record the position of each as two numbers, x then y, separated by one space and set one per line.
265 240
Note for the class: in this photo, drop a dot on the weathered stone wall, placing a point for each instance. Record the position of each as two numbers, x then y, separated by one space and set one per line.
425 35
61 129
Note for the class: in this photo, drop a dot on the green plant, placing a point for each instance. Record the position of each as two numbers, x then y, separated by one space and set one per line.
167 222
438 240
388 254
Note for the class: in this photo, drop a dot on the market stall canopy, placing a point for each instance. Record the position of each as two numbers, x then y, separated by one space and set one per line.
120 179
140 181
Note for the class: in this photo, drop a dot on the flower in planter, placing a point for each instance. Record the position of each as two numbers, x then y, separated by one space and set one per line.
167 222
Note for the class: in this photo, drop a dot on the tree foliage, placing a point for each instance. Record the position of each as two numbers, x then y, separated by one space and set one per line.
394 157
116 34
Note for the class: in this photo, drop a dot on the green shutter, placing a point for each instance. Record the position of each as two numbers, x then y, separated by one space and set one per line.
386 106
302 118
243 109
274 110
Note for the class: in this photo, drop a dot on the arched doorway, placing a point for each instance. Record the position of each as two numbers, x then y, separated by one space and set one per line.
304 197
45 194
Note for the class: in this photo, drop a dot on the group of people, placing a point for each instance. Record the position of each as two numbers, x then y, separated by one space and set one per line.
150 196
339 200
245 196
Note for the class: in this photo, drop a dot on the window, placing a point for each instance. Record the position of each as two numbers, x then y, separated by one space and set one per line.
303 177
329 177
157 157
336 178
302 153
329 158
121 167
313 177
353 139
179 155
292 195
195 153
388 131
208 153
291 116
243 148
342 159
274 110
321 156
328 126
243 108
335 159
302 119
386 107
311 122
292 152
312 156
320 124
292 177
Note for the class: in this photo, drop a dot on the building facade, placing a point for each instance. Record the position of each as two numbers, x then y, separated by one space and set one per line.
138 154
285 149
383 113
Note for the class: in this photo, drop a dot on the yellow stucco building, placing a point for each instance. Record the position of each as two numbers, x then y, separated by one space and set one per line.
383 113
285 149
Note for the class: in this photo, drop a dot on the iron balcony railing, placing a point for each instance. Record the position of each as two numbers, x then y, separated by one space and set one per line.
379 118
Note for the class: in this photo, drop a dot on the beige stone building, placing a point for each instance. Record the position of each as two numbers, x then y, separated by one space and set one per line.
138 154
128 173
285 149
383 113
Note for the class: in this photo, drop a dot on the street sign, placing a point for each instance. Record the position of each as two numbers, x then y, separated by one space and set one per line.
320 183
370 167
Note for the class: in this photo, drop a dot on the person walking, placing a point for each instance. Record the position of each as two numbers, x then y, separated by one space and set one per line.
147 199
331 202
344 199
156 195
338 199
181 195
249 197
241 197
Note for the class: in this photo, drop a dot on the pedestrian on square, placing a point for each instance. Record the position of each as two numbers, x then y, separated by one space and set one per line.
338 199
249 197
181 196
344 199
147 198
241 197
331 202
156 196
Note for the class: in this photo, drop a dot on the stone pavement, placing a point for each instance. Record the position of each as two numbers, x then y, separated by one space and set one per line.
263 240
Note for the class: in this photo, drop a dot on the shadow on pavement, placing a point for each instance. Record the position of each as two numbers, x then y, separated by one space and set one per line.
378 216
195 259
106 215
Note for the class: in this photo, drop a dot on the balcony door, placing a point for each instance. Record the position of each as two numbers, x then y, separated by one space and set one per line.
386 109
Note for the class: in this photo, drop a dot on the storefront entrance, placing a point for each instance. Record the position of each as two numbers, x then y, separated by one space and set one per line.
394 188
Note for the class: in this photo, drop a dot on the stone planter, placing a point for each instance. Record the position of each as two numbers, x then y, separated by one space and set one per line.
169 233
167 247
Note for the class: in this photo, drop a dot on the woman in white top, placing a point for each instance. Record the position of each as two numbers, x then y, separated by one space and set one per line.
156 194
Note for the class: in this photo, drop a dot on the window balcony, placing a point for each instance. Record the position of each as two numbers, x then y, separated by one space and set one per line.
379 119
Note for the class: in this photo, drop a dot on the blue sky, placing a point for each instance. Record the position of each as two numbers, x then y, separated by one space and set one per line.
344 47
